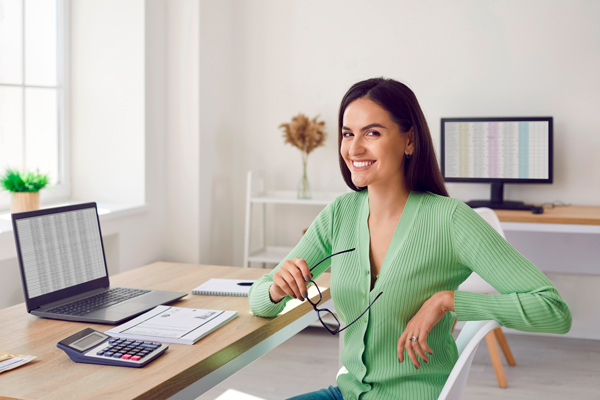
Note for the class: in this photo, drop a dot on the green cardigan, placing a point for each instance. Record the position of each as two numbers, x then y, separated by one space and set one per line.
438 242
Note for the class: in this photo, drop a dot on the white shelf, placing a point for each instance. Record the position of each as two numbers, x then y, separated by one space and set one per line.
258 197
270 254
289 197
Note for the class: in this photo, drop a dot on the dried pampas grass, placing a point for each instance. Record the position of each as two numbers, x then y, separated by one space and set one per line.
304 133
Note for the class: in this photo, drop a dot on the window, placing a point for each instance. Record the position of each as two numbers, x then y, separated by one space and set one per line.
33 90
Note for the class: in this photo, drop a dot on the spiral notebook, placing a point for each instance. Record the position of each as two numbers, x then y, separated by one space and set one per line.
224 287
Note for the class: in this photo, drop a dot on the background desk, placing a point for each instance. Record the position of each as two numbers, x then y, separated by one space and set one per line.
567 219
184 370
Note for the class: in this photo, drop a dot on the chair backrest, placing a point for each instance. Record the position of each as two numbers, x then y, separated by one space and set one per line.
475 283
491 218
467 342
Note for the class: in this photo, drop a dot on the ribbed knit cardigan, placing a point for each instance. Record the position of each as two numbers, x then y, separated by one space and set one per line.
438 242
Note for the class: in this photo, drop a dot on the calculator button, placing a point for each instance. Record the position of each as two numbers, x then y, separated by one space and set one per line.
126 356
135 358
108 354
100 353
117 355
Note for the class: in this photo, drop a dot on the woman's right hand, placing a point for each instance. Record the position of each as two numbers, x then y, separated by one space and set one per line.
290 280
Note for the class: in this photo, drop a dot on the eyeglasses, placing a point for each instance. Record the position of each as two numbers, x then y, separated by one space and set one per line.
324 313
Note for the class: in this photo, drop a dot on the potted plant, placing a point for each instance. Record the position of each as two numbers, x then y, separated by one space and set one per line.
25 188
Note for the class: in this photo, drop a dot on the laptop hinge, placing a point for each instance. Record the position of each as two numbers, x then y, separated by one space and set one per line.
71 299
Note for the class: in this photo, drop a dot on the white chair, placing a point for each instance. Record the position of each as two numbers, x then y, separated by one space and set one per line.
476 284
467 342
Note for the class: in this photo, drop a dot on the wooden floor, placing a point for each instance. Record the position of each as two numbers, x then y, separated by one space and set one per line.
548 368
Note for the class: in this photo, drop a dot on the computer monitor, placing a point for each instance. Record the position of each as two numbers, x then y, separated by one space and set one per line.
497 151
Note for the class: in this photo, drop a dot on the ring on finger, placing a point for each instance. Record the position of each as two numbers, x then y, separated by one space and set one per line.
413 339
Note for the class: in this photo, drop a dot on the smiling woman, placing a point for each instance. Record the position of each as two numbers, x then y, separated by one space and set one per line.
414 247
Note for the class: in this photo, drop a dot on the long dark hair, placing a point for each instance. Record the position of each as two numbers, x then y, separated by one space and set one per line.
421 171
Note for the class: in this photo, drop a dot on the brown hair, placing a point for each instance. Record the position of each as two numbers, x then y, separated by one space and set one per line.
422 172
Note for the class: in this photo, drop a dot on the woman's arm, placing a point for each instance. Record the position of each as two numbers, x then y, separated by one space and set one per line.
267 299
528 301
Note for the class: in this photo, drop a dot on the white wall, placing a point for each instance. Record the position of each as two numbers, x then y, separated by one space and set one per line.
218 80
182 136
107 100
461 58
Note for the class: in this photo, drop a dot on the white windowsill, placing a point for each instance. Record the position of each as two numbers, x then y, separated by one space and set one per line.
106 211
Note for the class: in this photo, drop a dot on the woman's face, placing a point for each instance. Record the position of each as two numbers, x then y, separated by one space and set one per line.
373 146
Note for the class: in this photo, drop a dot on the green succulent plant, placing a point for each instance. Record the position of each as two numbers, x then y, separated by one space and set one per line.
15 181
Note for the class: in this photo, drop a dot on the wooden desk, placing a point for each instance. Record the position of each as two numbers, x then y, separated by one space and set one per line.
575 215
52 375
567 219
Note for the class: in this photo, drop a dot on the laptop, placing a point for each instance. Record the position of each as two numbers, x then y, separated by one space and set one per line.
64 272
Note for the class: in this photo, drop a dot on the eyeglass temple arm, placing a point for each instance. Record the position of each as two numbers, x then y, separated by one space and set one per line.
328 257
363 313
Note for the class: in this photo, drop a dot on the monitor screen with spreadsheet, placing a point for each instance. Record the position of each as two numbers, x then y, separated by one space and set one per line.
497 151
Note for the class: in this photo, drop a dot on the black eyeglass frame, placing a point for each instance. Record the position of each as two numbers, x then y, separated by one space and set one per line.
326 310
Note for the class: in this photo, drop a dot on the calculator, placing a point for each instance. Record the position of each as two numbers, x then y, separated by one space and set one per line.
93 347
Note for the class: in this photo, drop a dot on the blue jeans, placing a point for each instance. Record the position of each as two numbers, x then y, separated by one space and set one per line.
332 393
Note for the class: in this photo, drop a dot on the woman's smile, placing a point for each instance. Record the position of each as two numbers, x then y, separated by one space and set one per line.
361 165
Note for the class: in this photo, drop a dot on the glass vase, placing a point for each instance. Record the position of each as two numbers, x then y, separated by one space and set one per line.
304 185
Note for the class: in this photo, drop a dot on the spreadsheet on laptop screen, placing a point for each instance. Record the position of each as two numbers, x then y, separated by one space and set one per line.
497 149
60 250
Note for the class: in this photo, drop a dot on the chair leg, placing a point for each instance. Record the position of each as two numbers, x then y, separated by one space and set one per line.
504 346
496 360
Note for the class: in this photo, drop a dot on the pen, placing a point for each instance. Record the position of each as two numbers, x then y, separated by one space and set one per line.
245 283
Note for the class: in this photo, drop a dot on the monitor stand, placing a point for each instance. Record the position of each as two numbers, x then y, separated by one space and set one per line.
497 202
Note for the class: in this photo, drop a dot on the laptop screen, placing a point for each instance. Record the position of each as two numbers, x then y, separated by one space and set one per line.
60 250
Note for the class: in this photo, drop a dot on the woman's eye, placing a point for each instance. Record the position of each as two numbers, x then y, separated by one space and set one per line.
372 133
347 134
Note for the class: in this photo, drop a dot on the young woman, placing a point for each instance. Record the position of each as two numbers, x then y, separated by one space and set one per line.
414 247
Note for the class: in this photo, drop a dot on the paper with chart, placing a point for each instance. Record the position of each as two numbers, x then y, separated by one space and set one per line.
173 324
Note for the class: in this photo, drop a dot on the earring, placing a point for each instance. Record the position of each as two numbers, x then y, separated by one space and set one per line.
408 156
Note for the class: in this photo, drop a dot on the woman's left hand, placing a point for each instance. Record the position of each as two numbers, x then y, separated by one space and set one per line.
430 313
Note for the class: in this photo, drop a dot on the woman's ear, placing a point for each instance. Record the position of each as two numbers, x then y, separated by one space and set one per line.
410 144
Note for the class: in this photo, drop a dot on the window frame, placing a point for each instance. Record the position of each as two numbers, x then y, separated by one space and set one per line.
62 189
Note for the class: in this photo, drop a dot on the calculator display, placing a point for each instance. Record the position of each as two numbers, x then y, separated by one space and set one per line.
88 341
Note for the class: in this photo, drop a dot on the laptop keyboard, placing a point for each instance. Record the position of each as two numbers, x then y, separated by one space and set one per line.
101 300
